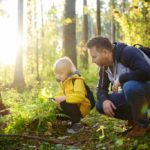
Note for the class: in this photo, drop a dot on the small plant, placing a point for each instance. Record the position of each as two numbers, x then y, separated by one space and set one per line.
30 110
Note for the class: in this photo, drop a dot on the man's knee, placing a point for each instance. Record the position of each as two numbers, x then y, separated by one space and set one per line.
99 107
132 87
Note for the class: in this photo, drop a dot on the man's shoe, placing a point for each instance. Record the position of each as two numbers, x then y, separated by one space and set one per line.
76 127
131 123
128 127
138 131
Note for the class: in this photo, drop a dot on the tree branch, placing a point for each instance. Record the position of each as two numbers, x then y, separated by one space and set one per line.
50 140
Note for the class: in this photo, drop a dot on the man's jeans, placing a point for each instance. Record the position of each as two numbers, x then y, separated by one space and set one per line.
132 102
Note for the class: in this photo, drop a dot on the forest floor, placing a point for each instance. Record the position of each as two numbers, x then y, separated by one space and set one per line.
100 133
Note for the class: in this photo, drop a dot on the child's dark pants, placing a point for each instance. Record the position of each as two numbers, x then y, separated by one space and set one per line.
71 110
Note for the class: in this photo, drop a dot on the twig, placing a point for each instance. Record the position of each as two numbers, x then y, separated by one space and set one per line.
54 141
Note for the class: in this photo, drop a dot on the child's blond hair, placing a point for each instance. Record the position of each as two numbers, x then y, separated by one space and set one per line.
64 65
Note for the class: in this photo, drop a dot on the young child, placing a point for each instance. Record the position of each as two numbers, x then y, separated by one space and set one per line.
72 96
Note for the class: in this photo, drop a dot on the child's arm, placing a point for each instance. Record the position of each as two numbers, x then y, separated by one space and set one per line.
60 99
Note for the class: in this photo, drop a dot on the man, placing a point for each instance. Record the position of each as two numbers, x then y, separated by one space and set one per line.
128 70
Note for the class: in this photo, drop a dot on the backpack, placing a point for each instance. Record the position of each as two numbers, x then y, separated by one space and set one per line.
89 95
146 50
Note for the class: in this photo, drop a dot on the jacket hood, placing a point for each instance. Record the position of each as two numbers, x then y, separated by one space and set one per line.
73 76
117 50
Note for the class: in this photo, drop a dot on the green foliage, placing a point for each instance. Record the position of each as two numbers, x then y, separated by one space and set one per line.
135 24
143 147
46 146
32 112
44 39
29 110
90 75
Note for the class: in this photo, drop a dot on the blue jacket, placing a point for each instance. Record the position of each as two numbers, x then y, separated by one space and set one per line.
130 57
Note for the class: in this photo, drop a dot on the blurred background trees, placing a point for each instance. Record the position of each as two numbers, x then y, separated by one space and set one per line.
51 29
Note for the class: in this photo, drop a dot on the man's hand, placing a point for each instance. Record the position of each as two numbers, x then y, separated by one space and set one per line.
60 99
108 108
116 85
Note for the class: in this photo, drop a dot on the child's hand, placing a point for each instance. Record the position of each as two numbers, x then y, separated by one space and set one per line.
60 99
116 85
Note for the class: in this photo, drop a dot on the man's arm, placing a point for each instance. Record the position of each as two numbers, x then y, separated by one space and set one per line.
103 85
102 93
134 59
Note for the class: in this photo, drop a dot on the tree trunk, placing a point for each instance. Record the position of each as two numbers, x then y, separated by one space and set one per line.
84 53
69 31
123 6
30 36
42 37
98 19
18 75
36 43
112 27
42 20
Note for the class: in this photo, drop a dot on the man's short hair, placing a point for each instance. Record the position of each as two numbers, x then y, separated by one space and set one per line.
100 43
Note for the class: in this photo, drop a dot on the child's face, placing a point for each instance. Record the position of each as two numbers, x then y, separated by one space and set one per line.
61 76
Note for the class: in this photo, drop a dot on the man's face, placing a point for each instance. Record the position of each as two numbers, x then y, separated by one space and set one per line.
101 58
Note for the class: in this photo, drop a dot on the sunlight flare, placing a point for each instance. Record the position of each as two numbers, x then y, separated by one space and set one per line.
8 44
8 33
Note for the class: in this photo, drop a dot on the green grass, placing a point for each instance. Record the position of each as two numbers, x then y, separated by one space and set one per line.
32 114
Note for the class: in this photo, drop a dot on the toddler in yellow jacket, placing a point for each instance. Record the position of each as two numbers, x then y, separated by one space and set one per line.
72 96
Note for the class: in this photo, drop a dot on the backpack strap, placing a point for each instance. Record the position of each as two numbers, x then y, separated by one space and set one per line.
139 45
144 49
73 80
89 95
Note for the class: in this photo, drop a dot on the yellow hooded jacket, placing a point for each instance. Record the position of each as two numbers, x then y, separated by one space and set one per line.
75 93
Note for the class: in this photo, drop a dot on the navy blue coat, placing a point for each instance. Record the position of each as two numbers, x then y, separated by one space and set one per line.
130 57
